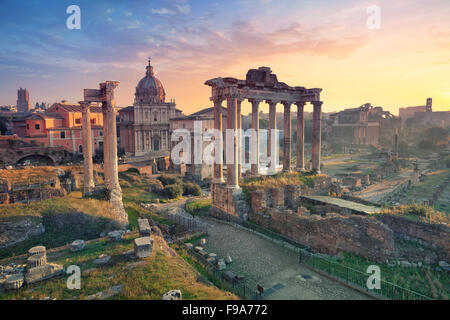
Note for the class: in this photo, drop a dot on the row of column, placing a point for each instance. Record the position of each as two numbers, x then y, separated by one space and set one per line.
234 122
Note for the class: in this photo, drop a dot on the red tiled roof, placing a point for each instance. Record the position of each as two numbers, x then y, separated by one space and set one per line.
76 108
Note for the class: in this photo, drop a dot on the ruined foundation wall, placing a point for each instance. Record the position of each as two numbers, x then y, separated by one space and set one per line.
434 235
359 235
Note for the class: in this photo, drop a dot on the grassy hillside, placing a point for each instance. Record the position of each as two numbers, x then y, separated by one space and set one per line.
149 278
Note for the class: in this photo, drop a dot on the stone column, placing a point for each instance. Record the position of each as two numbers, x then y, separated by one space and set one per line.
88 164
287 137
232 169
218 167
317 135
239 137
272 124
300 136
255 127
110 150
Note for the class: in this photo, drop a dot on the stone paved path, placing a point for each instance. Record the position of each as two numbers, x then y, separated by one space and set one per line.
272 266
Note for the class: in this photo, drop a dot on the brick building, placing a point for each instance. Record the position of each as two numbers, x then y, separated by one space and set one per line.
60 126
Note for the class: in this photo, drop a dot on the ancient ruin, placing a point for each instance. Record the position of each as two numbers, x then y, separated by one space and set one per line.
105 96
260 85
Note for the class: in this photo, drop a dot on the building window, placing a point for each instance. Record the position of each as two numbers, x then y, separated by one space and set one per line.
80 148
92 121
78 121
28 126
37 126
100 133
63 134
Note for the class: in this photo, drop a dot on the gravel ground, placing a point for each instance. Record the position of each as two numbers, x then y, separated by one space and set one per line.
272 266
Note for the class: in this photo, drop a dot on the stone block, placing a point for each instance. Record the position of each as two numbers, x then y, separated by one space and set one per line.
143 247
221 264
77 245
144 228
172 295
41 273
211 260
102 259
115 235
230 276
14 282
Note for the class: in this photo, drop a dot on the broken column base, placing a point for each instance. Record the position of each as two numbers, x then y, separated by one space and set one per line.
115 199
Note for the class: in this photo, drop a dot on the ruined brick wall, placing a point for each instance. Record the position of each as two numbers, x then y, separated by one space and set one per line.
359 235
228 204
435 235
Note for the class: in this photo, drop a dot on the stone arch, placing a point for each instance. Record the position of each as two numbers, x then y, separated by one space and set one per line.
36 158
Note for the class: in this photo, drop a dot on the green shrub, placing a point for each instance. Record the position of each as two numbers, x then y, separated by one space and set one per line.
198 207
190 188
173 191
168 180
133 170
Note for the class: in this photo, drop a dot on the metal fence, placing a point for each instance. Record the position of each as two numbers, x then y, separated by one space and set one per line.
244 288
339 271
190 223
357 278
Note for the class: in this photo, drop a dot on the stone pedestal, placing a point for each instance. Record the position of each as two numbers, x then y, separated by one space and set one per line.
143 247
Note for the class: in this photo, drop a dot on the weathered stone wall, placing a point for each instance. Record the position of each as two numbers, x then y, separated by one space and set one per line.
363 236
228 203
434 235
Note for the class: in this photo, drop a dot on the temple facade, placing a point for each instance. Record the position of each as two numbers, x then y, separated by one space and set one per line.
145 126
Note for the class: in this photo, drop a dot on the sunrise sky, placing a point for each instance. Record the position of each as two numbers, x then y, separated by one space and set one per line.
317 43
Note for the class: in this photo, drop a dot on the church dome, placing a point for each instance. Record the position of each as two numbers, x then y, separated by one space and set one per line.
150 89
